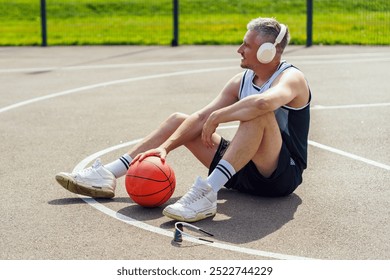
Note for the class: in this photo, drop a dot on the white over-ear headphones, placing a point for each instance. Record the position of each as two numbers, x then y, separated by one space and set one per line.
267 51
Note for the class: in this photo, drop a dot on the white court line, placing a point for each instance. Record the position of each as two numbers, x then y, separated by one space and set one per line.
336 151
312 59
338 56
349 155
108 66
345 61
110 83
351 106
92 202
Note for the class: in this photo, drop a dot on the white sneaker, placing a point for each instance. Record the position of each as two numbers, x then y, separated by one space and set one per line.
199 203
95 181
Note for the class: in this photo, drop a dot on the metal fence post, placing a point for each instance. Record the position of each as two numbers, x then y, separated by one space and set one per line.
175 40
43 23
309 23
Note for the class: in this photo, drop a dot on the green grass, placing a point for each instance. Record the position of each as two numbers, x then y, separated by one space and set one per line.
94 22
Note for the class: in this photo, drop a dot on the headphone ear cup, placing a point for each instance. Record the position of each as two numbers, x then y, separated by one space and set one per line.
266 53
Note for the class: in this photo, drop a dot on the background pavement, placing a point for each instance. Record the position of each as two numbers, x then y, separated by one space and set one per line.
61 107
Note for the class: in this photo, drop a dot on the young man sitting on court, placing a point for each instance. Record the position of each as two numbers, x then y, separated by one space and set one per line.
267 156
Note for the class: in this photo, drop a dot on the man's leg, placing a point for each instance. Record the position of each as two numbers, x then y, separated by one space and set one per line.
120 166
160 135
99 180
201 152
258 140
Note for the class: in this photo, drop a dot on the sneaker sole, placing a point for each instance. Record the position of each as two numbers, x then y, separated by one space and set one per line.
73 187
198 217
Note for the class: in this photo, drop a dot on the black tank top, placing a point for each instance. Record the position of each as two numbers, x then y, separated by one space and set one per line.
293 122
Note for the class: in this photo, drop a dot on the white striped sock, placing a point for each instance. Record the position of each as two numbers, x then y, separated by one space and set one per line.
120 166
220 175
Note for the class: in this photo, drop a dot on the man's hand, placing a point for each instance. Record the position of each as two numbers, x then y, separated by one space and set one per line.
209 128
158 152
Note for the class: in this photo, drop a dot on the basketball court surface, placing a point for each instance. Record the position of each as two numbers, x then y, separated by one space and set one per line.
63 107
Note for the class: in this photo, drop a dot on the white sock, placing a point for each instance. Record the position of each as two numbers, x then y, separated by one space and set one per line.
220 175
120 166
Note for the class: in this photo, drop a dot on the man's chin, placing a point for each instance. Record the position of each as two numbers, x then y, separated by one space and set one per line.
244 66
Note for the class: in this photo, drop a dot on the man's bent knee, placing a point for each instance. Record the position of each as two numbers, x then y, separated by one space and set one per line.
176 119
266 118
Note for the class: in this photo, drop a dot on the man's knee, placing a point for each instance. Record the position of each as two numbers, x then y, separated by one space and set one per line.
176 119
260 122
267 118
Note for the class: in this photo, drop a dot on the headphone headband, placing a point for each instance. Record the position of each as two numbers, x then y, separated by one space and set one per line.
281 35
267 51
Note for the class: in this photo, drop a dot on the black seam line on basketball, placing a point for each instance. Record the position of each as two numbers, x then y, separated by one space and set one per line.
227 170
168 176
160 169
148 179
125 162
224 172
163 198
167 187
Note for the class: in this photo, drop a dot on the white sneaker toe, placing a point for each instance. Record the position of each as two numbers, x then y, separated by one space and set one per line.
199 203
95 181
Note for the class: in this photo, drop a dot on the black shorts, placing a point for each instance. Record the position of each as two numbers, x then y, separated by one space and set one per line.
283 181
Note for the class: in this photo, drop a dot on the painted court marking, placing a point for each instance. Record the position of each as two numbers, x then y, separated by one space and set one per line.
158 230
110 83
92 202
322 59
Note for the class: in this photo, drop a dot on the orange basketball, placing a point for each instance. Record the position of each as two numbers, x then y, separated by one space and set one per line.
150 182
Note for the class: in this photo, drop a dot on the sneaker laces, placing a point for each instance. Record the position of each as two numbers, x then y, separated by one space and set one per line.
87 171
196 192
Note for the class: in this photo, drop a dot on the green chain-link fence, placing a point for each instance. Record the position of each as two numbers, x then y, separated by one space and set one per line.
92 22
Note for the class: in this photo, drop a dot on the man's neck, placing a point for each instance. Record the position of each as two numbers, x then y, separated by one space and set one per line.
264 72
